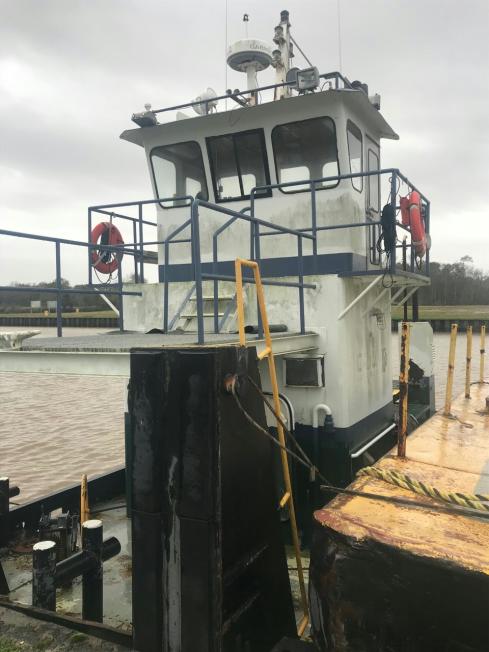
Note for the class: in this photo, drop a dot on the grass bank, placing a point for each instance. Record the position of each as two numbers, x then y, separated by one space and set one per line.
450 313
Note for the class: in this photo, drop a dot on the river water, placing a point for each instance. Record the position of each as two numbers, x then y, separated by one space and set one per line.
55 428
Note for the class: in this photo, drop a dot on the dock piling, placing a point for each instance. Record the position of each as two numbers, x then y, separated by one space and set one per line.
451 367
92 579
403 390
6 492
468 362
483 353
84 508
44 575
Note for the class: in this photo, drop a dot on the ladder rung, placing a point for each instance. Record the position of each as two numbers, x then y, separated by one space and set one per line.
210 297
285 499
206 314
263 354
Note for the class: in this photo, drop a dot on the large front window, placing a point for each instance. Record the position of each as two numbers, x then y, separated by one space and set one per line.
178 172
238 164
306 150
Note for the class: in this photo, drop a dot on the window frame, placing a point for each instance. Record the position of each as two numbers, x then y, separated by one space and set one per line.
184 142
374 147
266 168
349 124
284 124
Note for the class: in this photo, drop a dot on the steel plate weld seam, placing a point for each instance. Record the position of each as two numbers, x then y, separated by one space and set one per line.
479 502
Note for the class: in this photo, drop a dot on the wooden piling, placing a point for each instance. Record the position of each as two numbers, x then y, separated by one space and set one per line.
468 361
451 367
403 390
483 353
84 508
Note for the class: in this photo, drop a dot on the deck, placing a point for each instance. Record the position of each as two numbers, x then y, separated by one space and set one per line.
412 554
108 354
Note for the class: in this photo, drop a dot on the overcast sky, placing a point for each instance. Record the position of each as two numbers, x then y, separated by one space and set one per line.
73 71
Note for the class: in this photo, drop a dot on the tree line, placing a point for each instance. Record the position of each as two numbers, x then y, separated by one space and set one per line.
452 284
455 284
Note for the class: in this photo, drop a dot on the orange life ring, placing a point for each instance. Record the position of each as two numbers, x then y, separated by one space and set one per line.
106 262
412 217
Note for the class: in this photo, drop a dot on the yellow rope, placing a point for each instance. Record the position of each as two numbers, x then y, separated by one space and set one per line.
474 501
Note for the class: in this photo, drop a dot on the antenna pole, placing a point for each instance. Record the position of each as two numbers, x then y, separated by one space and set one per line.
283 55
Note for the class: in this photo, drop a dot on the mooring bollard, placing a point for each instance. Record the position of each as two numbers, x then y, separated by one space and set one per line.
403 390
451 367
6 492
483 353
44 575
468 362
92 580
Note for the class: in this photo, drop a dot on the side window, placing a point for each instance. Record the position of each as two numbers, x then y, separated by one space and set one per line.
355 153
178 170
306 150
238 164
373 181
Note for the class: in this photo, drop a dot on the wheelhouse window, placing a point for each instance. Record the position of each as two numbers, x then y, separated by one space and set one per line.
178 170
355 153
238 164
373 181
306 150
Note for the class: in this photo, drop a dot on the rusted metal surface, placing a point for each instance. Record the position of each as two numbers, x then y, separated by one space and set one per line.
209 569
403 391
390 577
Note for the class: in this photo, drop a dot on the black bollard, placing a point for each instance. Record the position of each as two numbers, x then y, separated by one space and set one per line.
4 509
44 575
92 580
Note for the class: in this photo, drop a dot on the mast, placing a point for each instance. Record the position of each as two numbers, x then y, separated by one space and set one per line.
282 55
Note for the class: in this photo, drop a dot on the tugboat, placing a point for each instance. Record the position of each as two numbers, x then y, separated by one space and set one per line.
293 189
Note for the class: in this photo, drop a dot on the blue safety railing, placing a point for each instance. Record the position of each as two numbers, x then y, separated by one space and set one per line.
189 233
59 290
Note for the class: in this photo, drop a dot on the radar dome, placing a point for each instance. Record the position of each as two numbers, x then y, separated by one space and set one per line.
249 53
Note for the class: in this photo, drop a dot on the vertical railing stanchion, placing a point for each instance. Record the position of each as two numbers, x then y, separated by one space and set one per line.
468 362
215 284
301 285
258 260
135 250
197 264
403 390
59 295
166 284
89 249
141 243
451 367
121 297
393 204
483 353
427 229
314 218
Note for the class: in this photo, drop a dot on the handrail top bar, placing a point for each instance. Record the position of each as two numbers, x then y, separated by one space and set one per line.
226 96
75 243
248 218
122 217
141 202
338 177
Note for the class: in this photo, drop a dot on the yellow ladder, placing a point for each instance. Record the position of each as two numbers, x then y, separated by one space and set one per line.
288 497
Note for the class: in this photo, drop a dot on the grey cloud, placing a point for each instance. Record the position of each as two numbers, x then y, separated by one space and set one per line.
83 67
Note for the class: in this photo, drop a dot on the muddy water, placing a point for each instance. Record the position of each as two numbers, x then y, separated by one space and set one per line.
54 428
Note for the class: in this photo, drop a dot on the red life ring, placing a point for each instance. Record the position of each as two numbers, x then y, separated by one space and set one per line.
412 217
106 262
